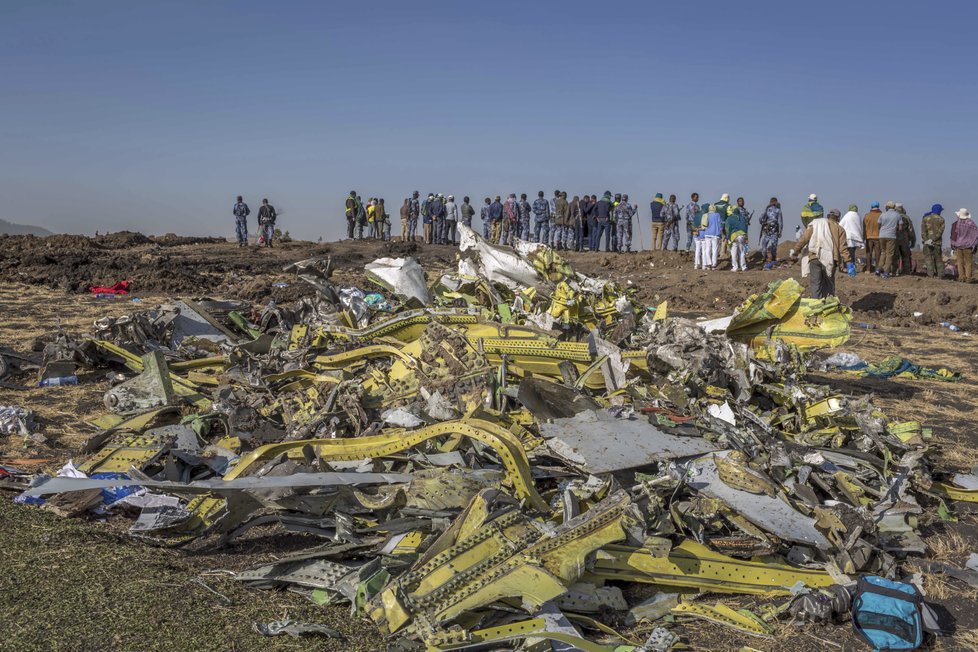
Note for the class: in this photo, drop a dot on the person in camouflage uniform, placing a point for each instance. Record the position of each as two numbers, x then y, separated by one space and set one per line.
541 219
414 210
553 219
511 220
484 216
670 215
771 223
623 218
932 233
561 220
906 240
693 213
577 220
524 210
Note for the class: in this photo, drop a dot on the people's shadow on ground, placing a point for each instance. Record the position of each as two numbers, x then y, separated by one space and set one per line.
875 302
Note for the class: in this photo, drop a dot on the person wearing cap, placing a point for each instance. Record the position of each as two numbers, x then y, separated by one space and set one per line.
852 224
811 211
351 213
670 219
964 238
871 235
658 221
932 233
889 225
450 221
771 224
511 220
414 210
623 218
541 219
827 250
905 242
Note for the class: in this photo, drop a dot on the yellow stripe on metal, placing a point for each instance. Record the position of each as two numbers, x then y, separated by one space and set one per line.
691 564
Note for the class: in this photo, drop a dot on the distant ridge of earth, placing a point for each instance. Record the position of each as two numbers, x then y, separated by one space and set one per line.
9 228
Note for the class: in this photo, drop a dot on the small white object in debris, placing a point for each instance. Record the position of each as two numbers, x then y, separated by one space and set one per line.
723 412
401 418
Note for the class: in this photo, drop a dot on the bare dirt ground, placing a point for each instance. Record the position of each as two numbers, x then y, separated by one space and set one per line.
84 585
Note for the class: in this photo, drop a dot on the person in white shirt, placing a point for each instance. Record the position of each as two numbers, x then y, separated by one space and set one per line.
852 223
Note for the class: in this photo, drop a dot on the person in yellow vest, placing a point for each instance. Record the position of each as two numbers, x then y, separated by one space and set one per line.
371 215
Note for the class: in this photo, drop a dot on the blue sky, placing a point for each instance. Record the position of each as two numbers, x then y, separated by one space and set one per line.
152 116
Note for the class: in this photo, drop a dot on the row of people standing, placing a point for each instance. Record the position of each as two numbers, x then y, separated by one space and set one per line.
889 238
266 222
575 224
370 220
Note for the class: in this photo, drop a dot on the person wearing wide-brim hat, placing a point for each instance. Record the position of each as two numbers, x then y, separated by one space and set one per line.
964 237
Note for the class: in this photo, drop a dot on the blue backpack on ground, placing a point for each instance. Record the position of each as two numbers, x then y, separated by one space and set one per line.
888 615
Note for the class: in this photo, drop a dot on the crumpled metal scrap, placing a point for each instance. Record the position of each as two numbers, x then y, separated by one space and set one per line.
523 433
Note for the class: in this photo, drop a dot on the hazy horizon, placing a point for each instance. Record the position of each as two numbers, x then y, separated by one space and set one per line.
152 117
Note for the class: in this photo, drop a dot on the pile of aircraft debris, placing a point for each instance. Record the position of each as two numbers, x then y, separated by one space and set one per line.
490 453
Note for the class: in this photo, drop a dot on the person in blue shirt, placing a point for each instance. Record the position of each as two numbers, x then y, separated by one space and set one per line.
712 233
414 210
495 220
541 219
241 213
602 222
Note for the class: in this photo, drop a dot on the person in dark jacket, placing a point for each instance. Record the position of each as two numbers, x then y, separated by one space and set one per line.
658 221
602 222
351 213
436 211
495 220
467 212
266 221
932 233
